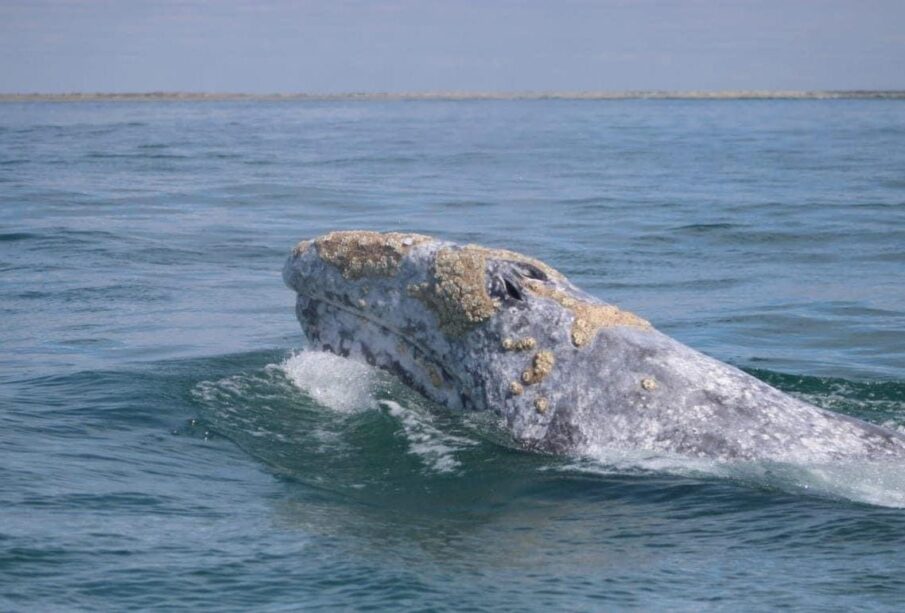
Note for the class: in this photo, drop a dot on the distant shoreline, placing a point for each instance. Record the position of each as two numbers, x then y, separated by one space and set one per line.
440 95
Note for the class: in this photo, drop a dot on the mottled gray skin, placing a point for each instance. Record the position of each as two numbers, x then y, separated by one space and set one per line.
628 388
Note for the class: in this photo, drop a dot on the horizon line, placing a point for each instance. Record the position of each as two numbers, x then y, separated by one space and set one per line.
465 95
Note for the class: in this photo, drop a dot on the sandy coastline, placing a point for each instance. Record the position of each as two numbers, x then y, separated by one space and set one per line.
456 95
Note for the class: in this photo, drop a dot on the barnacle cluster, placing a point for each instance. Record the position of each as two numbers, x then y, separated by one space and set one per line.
360 253
589 317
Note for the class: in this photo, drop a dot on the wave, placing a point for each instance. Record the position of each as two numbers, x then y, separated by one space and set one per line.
877 483
315 409
342 425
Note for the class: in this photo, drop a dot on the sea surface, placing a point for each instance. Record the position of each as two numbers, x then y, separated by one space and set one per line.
166 441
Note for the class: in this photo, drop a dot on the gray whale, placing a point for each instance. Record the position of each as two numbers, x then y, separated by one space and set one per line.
493 330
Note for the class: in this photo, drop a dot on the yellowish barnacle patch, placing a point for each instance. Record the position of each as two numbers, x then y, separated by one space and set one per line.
590 317
515 388
519 344
649 384
541 404
301 248
514 256
360 254
458 293
541 366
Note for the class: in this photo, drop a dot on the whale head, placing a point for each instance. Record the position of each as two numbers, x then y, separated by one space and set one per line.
467 326
493 330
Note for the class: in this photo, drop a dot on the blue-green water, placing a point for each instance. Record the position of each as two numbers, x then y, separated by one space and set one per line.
165 444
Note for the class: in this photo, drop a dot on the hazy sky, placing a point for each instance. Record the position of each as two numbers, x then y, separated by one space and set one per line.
489 45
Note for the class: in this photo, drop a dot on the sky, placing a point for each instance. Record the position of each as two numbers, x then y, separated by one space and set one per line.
336 46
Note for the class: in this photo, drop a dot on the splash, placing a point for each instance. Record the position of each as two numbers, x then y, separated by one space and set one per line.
334 382
315 411
435 448
346 386
878 483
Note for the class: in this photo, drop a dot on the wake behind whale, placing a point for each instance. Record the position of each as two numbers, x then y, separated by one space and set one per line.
341 425
492 330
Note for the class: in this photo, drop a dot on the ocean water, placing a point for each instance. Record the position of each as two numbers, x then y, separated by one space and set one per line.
166 442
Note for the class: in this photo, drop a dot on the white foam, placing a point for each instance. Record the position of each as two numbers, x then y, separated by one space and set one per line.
332 381
871 482
880 483
894 425
432 446
347 386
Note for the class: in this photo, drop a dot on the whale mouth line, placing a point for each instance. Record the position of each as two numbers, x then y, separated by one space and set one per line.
429 354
